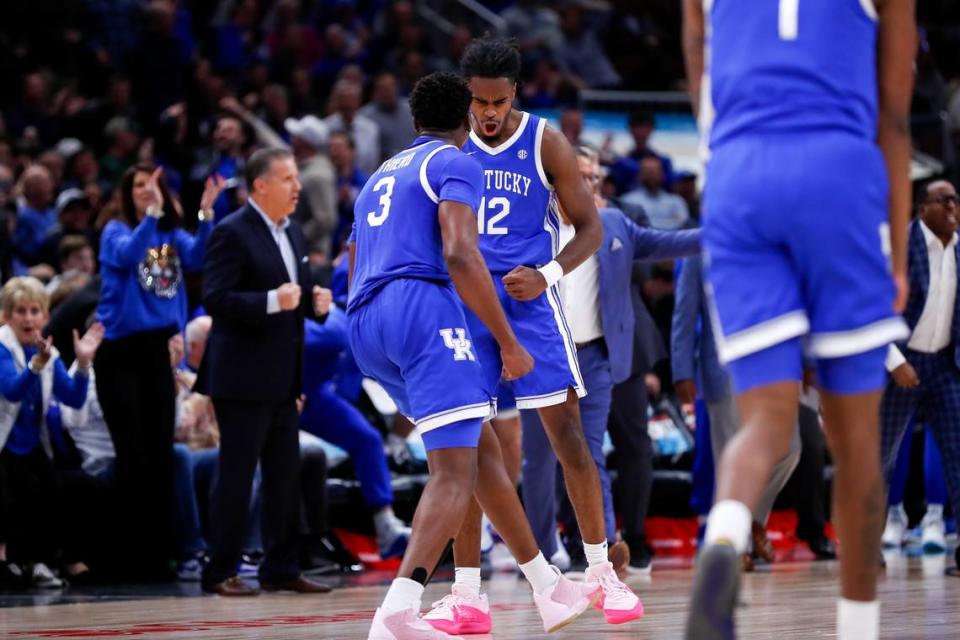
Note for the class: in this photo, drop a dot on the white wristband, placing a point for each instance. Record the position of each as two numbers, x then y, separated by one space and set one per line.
154 211
551 272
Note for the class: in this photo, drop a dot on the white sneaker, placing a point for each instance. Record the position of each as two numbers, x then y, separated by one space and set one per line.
618 601
461 613
560 558
501 560
933 539
403 625
896 530
43 578
564 602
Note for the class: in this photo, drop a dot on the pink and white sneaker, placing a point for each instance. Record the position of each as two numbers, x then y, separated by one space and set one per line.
565 601
461 613
618 602
402 625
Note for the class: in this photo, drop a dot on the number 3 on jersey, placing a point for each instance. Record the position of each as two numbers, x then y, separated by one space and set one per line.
375 219
490 226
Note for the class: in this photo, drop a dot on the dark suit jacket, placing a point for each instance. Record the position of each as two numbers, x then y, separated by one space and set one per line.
918 272
252 355
624 242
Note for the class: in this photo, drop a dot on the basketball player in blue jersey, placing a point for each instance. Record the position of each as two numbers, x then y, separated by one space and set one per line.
807 196
414 250
527 169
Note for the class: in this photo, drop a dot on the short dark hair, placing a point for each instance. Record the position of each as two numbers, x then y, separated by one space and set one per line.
440 101
70 244
260 162
491 58
346 136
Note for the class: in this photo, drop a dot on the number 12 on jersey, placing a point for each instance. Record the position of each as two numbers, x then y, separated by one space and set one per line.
502 207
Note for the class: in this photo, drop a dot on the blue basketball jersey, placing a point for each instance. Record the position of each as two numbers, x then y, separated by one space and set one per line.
777 66
518 219
396 230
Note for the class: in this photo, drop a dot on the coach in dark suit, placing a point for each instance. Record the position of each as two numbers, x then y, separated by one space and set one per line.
254 271
925 369
600 313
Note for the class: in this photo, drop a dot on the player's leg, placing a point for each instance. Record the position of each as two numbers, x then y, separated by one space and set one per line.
506 425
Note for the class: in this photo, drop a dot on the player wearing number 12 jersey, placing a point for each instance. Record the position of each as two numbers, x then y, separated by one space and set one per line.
805 105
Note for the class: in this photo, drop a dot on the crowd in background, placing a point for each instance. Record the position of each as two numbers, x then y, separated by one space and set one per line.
120 119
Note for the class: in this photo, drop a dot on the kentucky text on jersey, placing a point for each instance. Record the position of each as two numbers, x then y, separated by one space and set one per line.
507 181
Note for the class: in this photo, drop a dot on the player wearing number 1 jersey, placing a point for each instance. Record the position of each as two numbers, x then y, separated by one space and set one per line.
527 169
805 105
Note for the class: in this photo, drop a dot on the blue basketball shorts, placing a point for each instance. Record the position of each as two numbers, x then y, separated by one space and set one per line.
797 260
413 339
542 329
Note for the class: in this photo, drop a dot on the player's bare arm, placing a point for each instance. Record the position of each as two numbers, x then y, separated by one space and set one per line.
693 41
560 163
896 52
458 229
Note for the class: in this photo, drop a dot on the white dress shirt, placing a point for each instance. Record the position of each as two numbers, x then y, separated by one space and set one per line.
580 293
933 329
279 233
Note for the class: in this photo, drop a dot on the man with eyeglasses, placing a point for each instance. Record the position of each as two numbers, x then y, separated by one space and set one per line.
599 311
925 368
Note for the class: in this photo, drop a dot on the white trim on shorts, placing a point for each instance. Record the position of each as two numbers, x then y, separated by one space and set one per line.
837 344
507 414
762 335
443 418
546 399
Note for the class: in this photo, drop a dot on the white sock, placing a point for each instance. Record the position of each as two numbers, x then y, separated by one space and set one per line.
729 522
596 553
935 510
404 593
469 578
858 620
540 574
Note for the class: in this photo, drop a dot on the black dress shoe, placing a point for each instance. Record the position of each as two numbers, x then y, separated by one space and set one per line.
12 577
823 548
234 586
300 584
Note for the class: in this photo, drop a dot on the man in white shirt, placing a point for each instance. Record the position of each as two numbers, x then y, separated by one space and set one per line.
925 370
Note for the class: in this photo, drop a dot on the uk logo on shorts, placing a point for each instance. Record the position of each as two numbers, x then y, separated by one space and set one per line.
460 345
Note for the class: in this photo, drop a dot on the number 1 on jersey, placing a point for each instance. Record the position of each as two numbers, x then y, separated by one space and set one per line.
789 18
375 219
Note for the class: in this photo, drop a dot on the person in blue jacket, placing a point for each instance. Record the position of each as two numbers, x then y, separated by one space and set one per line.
144 255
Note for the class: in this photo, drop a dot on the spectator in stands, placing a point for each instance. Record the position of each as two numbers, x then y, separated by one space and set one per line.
350 180
123 140
685 186
665 210
143 257
571 125
536 27
31 376
35 213
226 159
317 209
582 52
391 114
344 116
642 124
74 218
74 258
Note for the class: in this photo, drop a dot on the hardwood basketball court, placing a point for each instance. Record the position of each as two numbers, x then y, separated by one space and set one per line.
791 600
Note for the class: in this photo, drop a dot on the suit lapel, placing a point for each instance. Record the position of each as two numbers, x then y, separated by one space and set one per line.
268 244
923 258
